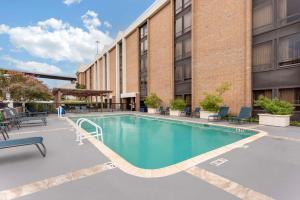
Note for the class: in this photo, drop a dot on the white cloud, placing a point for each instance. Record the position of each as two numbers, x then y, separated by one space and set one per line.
56 40
90 20
69 2
107 24
32 66
1 48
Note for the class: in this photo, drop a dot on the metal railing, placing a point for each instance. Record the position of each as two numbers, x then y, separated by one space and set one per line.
98 133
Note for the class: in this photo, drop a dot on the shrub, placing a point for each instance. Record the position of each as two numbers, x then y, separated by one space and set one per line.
274 106
295 123
152 101
178 104
212 102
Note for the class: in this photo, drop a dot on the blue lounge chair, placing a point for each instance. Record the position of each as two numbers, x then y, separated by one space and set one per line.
186 111
37 141
20 118
223 112
245 114
196 112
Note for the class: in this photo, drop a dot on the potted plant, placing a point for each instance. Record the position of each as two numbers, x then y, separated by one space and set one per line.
152 102
177 106
278 112
211 103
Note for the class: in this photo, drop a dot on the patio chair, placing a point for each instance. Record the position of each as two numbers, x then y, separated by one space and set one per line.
196 112
161 110
223 112
37 141
10 119
4 133
244 115
84 109
20 118
77 109
186 112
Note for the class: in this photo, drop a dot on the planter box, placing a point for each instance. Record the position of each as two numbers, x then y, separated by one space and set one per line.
152 110
175 113
205 114
274 120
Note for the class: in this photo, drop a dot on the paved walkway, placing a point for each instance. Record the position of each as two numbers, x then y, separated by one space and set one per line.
265 169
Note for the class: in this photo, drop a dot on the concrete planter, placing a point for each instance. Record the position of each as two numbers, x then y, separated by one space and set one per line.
175 113
205 114
152 110
274 120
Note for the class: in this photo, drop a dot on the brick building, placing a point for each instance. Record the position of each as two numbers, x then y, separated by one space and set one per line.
184 48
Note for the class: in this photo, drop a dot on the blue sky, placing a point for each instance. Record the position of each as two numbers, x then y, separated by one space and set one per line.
55 36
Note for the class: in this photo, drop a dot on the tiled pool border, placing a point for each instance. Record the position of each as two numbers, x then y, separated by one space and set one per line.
127 167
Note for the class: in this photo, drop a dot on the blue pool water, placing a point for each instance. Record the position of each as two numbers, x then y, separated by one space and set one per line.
151 143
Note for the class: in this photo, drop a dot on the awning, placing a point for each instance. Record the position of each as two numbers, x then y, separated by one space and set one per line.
129 95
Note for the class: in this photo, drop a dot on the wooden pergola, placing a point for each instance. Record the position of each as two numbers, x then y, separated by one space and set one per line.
59 92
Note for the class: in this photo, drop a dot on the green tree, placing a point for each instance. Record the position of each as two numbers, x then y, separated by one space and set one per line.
23 87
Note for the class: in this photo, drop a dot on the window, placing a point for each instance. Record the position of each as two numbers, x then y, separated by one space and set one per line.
288 95
188 99
187 72
178 50
144 46
187 22
187 3
258 93
262 13
178 6
105 70
187 47
178 27
289 48
288 11
178 73
297 96
262 57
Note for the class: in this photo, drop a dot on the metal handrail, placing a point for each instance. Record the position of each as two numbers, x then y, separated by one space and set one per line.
97 133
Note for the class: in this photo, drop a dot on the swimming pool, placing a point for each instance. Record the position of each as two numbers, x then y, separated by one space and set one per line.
154 143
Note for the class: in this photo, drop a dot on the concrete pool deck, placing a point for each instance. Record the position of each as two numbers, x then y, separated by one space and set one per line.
267 168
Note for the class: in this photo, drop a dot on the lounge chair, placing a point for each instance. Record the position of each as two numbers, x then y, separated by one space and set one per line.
4 133
244 115
223 112
186 111
37 141
84 109
77 109
10 119
20 118
196 112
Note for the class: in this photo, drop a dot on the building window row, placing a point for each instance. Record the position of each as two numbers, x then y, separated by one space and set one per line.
183 49
121 67
291 95
143 75
268 14
281 53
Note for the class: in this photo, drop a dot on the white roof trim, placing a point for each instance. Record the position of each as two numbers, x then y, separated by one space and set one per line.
158 4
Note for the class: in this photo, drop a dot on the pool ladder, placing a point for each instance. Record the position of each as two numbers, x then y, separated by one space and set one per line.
98 133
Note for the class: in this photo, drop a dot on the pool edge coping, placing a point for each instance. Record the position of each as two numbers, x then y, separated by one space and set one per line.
128 168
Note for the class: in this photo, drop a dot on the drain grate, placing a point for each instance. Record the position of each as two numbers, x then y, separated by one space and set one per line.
110 165
218 162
